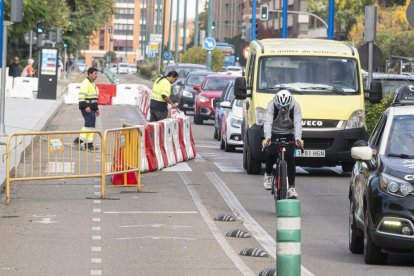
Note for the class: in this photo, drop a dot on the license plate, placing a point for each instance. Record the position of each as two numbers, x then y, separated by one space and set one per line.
310 153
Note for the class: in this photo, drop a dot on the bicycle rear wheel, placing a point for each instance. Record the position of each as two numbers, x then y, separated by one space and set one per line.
283 183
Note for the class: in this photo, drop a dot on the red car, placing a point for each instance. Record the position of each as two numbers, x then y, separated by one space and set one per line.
206 94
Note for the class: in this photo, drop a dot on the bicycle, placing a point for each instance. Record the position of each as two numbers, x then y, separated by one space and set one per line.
280 184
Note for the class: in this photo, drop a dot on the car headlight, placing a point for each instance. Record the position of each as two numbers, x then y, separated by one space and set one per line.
187 94
235 122
260 115
204 99
356 120
395 186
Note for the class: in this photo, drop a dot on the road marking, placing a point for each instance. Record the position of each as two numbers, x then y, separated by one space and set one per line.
96 260
96 228
156 238
97 193
97 201
97 186
226 167
96 249
97 210
96 238
206 146
152 212
221 240
96 219
155 226
266 241
199 158
96 272
45 221
60 167
180 167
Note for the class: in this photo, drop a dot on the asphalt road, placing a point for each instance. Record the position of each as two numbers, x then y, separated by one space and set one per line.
50 228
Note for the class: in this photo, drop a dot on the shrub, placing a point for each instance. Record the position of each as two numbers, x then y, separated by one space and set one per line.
373 112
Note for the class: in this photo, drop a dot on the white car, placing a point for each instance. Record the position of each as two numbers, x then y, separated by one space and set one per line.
132 68
231 125
82 67
234 70
113 67
123 68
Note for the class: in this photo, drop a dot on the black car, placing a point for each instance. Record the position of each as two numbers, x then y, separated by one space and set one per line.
390 82
381 194
184 91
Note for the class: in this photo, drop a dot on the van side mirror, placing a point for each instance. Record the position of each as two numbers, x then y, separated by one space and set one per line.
375 92
240 90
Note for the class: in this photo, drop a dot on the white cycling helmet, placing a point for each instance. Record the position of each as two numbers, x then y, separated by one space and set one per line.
283 98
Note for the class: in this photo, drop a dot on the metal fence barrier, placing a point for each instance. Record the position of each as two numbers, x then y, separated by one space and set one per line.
54 155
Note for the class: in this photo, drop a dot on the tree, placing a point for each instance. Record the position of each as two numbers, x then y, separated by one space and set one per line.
198 55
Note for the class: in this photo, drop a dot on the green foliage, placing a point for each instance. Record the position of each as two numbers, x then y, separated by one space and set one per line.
110 54
396 44
374 111
148 70
198 55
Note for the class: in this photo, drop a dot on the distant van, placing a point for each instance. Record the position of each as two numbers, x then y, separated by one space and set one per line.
123 68
324 76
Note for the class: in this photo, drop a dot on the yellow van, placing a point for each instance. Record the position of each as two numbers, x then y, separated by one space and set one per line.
325 78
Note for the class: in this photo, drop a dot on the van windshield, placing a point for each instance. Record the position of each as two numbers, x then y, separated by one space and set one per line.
308 75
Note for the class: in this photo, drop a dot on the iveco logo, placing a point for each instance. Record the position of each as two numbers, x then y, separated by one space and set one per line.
312 123
409 177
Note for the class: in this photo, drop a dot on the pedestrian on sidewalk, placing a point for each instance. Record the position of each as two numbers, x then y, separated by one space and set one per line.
29 71
14 69
160 96
88 105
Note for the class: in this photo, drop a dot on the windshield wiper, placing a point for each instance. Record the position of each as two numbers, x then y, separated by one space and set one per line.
401 155
334 89
291 89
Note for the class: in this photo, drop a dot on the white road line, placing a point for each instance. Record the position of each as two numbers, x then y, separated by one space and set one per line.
97 201
205 146
96 238
97 210
180 167
156 238
152 212
96 219
266 241
228 168
97 186
96 249
97 193
96 260
96 272
96 228
221 240
155 226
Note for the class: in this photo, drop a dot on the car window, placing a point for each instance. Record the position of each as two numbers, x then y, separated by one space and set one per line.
195 80
401 138
184 71
375 138
230 94
216 83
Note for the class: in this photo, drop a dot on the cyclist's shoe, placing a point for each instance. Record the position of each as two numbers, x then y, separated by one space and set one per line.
268 181
291 193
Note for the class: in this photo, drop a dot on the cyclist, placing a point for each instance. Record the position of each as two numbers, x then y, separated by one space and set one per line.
283 120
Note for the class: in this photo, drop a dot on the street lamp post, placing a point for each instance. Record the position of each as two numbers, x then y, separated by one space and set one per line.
209 26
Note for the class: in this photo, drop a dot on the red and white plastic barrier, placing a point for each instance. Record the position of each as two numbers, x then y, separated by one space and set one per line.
142 151
106 92
168 142
72 97
126 94
150 147
24 88
176 140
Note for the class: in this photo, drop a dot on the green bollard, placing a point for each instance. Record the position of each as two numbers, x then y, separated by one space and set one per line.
288 237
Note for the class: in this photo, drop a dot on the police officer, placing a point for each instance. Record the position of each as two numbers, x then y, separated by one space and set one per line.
160 96
88 105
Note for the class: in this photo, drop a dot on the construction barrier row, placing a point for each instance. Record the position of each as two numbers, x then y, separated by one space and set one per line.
21 87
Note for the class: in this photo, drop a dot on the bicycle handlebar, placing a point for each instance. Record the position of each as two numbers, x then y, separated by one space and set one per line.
282 142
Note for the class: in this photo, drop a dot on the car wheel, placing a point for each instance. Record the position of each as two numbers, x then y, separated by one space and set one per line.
356 238
215 133
347 167
252 166
197 119
244 155
228 148
372 252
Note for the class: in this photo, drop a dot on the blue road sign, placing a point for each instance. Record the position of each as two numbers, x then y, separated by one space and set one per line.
167 55
209 43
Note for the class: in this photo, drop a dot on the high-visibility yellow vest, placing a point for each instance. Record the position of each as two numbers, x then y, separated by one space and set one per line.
88 95
160 88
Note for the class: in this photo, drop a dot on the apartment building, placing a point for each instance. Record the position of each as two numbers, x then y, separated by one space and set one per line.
127 32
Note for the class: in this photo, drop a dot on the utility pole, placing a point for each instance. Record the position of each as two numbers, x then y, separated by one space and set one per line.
159 16
209 25
177 32
170 32
254 19
185 27
331 19
196 31
163 34
284 18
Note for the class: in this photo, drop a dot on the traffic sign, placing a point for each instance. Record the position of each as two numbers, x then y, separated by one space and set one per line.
167 55
410 13
245 52
27 37
155 38
209 43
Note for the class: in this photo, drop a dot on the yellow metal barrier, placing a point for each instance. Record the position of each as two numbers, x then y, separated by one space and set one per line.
121 154
53 155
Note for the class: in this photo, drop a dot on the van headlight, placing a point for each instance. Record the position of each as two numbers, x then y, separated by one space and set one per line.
395 186
260 115
356 120
235 122
187 94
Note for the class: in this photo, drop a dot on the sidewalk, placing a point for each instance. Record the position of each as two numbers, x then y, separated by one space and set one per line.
26 115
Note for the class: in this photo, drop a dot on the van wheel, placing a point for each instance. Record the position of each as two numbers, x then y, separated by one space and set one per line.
244 155
347 167
228 148
252 166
